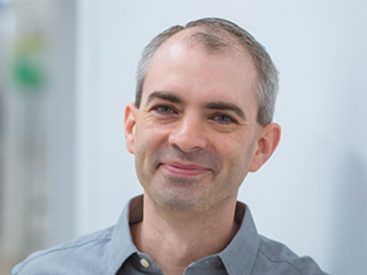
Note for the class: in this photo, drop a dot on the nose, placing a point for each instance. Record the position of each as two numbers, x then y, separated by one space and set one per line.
188 135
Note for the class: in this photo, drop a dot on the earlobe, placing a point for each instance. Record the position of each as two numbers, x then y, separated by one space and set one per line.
130 125
267 142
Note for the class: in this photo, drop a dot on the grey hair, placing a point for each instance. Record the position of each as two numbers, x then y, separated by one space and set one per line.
213 34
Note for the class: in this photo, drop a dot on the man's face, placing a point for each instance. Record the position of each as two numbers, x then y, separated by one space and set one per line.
195 135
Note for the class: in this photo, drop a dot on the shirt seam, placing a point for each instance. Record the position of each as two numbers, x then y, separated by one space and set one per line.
281 261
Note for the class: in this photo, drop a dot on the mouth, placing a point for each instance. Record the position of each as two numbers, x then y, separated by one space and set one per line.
180 169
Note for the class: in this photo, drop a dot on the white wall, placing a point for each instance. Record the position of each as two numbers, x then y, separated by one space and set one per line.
311 194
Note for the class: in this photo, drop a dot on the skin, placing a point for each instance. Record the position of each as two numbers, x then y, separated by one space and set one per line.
195 138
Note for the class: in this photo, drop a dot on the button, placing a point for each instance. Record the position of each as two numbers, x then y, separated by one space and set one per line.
144 263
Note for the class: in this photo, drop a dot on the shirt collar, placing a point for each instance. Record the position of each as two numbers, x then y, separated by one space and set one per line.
240 254
238 257
121 245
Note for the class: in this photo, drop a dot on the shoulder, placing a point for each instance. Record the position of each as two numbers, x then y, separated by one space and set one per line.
279 259
66 258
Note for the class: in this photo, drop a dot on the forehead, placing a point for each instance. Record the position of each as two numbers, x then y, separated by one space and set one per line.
180 65
199 39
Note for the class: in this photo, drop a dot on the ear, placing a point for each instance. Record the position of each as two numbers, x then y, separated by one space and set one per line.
267 142
130 124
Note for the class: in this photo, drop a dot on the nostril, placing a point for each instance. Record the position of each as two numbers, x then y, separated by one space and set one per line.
188 135
187 142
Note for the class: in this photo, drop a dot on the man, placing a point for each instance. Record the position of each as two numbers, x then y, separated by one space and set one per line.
201 121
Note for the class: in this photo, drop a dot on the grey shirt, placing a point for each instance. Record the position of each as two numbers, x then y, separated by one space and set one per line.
112 251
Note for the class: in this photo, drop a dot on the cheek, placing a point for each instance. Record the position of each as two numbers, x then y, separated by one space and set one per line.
147 140
235 174
237 157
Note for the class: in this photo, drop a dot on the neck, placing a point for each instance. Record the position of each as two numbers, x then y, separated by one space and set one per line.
174 239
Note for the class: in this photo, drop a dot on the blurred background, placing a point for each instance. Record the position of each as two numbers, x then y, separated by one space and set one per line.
67 69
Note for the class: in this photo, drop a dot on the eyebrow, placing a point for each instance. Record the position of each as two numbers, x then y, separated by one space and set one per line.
165 96
215 105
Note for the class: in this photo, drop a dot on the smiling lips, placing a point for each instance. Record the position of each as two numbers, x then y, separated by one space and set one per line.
180 169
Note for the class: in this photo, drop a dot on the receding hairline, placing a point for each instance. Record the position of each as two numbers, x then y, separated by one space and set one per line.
213 40
230 45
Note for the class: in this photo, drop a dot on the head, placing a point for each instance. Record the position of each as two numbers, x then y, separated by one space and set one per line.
217 34
196 128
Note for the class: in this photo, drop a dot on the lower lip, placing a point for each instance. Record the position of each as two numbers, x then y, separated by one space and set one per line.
179 171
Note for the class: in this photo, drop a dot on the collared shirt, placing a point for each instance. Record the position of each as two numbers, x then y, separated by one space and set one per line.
112 251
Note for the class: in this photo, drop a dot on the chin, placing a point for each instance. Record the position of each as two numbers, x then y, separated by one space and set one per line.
179 202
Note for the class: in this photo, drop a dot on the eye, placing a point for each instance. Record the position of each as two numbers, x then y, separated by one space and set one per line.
223 119
164 109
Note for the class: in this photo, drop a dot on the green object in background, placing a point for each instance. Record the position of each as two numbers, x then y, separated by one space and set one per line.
28 68
27 74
